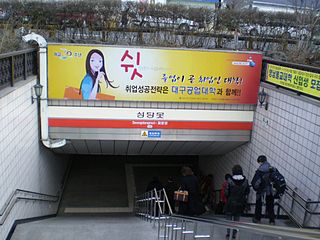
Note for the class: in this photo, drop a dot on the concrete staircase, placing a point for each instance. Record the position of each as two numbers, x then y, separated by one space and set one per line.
96 185
110 227
107 184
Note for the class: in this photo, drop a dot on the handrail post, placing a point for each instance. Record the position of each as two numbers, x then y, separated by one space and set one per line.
306 213
195 228
12 71
278 211
153 206
149 200
165 229
162 198
159 230
145 206
25 67
167 201
293 199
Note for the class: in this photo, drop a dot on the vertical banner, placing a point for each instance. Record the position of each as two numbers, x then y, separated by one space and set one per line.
147 74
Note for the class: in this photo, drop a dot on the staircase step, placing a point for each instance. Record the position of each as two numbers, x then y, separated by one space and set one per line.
202 236
170 225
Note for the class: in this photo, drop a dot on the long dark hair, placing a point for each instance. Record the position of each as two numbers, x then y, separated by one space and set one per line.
94 75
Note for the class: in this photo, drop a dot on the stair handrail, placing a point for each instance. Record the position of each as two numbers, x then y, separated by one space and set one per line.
167 201
32 196
152 205
303 206
279 231
290 215
64 182
293 190
296 198
17 191
299 196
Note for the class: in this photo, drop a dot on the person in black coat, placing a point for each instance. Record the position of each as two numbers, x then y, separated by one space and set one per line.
190 183
236 192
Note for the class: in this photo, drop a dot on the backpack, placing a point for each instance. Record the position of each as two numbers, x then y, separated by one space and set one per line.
259 181
278 182
262 179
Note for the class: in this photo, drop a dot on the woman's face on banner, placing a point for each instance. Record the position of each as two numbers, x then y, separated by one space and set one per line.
96 62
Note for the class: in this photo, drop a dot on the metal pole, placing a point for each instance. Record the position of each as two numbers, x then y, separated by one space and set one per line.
12 70
25 73
195 228
306 213
159 226
293 200
165 229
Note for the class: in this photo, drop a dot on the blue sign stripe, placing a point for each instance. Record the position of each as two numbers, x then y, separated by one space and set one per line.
154 134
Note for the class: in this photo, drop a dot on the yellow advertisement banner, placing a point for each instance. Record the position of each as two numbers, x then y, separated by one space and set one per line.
152 74
299 80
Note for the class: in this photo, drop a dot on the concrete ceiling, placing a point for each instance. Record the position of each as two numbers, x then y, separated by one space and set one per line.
130 147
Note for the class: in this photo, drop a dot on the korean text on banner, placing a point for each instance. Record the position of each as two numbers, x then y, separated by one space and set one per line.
146 74
302 81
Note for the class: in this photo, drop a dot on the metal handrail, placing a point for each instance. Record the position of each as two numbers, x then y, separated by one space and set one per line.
167 200
169 223
304 207
296 195
303 204
13 200
153 199
293 219
296 198
152 205
178 223
293 190
15 192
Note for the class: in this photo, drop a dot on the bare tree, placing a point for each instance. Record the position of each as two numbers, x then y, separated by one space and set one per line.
100 20
238 4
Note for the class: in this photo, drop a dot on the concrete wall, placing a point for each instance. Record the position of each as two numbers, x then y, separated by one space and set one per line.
24 162
288 133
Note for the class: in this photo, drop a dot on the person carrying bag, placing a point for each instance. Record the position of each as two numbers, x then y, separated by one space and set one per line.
181 196
192 204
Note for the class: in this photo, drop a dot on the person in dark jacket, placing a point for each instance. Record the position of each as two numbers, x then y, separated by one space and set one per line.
154 184
170 187
264 192
236 192
189 182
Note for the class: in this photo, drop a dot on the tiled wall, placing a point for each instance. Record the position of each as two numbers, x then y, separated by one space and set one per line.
288 133
24 162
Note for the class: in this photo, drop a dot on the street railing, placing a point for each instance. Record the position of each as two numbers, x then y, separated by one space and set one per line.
16 66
